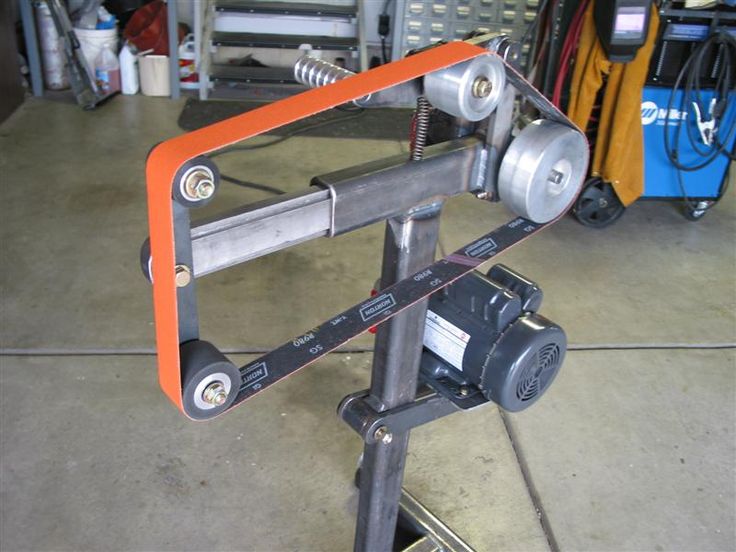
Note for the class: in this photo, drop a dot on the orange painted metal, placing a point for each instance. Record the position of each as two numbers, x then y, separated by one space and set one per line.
166 159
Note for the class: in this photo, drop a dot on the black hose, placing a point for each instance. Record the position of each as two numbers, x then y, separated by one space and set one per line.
252 185
248 147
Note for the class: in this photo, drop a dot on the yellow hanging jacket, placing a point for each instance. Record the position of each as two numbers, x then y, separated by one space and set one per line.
619 149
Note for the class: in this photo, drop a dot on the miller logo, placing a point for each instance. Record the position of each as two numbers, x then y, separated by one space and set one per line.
652 113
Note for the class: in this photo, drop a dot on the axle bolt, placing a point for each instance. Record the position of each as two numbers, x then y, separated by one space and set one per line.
199 185
482 87
555 177
383 435
215 393
182 275
464 391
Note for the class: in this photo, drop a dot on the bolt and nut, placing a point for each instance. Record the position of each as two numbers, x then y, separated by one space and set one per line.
215 393
182 275
198 185
482 87
383 435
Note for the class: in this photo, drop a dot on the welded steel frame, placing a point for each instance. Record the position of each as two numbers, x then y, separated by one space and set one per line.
409 196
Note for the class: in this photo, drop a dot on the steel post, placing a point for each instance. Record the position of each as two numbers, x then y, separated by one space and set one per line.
172 26
409 245
34 58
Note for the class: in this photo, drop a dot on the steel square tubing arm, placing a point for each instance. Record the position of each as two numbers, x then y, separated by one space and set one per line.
341 202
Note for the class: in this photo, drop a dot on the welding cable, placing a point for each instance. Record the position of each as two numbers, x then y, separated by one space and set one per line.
690 78
533 25
692 73
569 47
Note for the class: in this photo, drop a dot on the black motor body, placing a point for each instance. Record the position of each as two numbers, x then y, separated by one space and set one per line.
484 332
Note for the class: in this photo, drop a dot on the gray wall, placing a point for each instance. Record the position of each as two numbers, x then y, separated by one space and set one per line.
11 89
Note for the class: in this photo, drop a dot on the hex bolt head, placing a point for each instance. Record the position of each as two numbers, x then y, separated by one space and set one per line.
182 275
199 185
383 435
464 391
215 393
482 87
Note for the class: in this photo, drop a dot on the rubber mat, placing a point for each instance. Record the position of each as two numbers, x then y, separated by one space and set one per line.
378 123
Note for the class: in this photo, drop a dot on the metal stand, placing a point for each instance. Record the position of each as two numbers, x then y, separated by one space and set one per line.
409 245
433 535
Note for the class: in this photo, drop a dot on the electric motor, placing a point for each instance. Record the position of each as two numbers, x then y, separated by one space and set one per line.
484 332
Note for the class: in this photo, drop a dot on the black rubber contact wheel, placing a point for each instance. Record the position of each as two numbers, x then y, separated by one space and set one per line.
204 365
597 206
697 211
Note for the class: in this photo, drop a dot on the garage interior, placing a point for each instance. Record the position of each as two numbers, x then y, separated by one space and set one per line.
632 448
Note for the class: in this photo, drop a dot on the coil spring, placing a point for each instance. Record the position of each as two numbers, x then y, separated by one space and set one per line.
421 128
313 72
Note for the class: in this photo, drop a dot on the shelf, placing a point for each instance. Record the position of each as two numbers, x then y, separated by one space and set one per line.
286 8
258 40
261 75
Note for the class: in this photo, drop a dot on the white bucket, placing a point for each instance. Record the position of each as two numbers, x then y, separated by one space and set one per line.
154 75
92 41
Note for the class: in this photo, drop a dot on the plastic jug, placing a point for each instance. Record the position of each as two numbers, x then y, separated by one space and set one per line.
107 71
128 70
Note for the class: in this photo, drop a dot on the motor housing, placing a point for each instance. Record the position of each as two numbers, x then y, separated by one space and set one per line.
485 332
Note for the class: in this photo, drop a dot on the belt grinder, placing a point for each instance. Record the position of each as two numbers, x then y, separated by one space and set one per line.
483 340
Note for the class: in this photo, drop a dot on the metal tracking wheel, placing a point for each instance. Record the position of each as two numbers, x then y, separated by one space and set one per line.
211 381
470 90
598 205
543 170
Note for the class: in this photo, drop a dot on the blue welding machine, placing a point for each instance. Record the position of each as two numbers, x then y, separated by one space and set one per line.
660 175
689 125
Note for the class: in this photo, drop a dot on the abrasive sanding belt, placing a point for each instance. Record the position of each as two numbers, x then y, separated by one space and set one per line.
166 158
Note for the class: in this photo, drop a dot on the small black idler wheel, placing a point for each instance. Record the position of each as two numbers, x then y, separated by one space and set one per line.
196 182
211 381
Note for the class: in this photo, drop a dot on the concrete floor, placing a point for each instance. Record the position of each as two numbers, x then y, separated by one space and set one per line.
633 448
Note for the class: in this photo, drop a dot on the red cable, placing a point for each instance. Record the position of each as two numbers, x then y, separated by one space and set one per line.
568 50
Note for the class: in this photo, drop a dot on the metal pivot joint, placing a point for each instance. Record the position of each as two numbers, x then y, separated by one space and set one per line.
373 426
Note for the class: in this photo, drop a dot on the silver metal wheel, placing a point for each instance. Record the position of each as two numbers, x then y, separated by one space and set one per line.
470 90
543 170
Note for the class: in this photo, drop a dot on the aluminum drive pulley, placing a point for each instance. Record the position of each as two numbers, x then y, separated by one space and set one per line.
542 170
